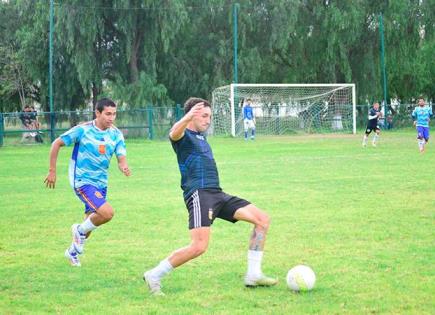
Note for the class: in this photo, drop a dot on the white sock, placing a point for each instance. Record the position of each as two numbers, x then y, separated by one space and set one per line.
254 263
365 140
72 250
421 144
86 226
375 138
162 269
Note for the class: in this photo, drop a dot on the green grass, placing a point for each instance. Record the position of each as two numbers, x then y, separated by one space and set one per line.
363 219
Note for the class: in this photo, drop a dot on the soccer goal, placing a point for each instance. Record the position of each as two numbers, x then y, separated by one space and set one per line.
285 108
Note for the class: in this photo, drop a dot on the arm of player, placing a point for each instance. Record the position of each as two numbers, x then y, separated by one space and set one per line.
123 166
50 180
414 117
177 130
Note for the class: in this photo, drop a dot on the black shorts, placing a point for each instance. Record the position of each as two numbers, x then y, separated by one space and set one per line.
369 129
204 205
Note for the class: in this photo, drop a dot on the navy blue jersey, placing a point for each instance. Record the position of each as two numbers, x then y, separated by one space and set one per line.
195 160
373 118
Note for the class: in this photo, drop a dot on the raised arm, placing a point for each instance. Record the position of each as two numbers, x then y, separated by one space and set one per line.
50 180
177 130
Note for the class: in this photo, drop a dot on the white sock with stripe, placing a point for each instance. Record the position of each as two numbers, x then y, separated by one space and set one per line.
86 226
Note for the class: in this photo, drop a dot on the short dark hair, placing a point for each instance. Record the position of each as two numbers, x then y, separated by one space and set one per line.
193 101
421 97
104 102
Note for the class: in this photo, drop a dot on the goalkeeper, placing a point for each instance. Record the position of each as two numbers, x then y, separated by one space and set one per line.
249 119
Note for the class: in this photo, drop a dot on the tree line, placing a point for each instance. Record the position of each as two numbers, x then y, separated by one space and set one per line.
161 52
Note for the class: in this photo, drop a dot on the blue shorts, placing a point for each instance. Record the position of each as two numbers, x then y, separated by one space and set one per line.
92 197
423 132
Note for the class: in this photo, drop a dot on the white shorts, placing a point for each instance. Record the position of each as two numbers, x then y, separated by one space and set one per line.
249 124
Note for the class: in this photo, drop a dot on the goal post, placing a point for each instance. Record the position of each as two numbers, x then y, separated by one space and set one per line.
285 108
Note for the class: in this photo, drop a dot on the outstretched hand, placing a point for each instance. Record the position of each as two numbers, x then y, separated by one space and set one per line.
50 180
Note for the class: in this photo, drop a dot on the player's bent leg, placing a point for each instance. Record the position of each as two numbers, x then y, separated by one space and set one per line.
366 136
376 137
102 215
254 276
93 219
421 142
199 243
200 238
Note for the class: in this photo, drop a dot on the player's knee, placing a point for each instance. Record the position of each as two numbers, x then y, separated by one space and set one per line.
263 221
197 249
107 212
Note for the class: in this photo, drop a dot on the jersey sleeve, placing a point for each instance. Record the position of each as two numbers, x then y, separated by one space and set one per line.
73 135
120 149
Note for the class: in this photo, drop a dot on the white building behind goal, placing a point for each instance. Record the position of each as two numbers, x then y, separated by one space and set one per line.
285 108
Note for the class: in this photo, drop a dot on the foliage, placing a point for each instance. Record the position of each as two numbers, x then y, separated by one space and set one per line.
150 51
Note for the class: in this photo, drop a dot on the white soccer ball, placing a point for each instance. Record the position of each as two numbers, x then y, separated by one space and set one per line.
301 278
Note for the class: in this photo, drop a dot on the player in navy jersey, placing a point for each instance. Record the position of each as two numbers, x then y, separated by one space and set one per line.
94 144
205 200
372 125
249 119
421 116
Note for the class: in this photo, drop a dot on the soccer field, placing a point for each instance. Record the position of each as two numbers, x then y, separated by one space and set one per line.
362 218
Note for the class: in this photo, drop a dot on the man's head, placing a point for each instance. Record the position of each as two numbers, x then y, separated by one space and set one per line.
421 101
105 110
376 105
27 108
202 121
248 101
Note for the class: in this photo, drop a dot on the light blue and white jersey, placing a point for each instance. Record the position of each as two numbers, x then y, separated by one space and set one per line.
422 115
93 149
248 113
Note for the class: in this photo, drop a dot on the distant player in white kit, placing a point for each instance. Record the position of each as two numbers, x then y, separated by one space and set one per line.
249 119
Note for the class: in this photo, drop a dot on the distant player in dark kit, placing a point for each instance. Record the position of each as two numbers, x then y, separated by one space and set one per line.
372 125
205 200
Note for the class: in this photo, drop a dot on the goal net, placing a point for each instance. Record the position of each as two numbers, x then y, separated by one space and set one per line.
285 108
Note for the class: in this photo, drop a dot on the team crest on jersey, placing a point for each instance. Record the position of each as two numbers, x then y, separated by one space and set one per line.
98 194
102 149
210 213
200 137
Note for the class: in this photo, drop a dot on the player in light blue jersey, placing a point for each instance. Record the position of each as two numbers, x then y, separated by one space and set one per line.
421 116
249 119
94 144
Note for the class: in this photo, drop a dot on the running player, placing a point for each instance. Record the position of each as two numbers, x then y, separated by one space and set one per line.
421 116
94 144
